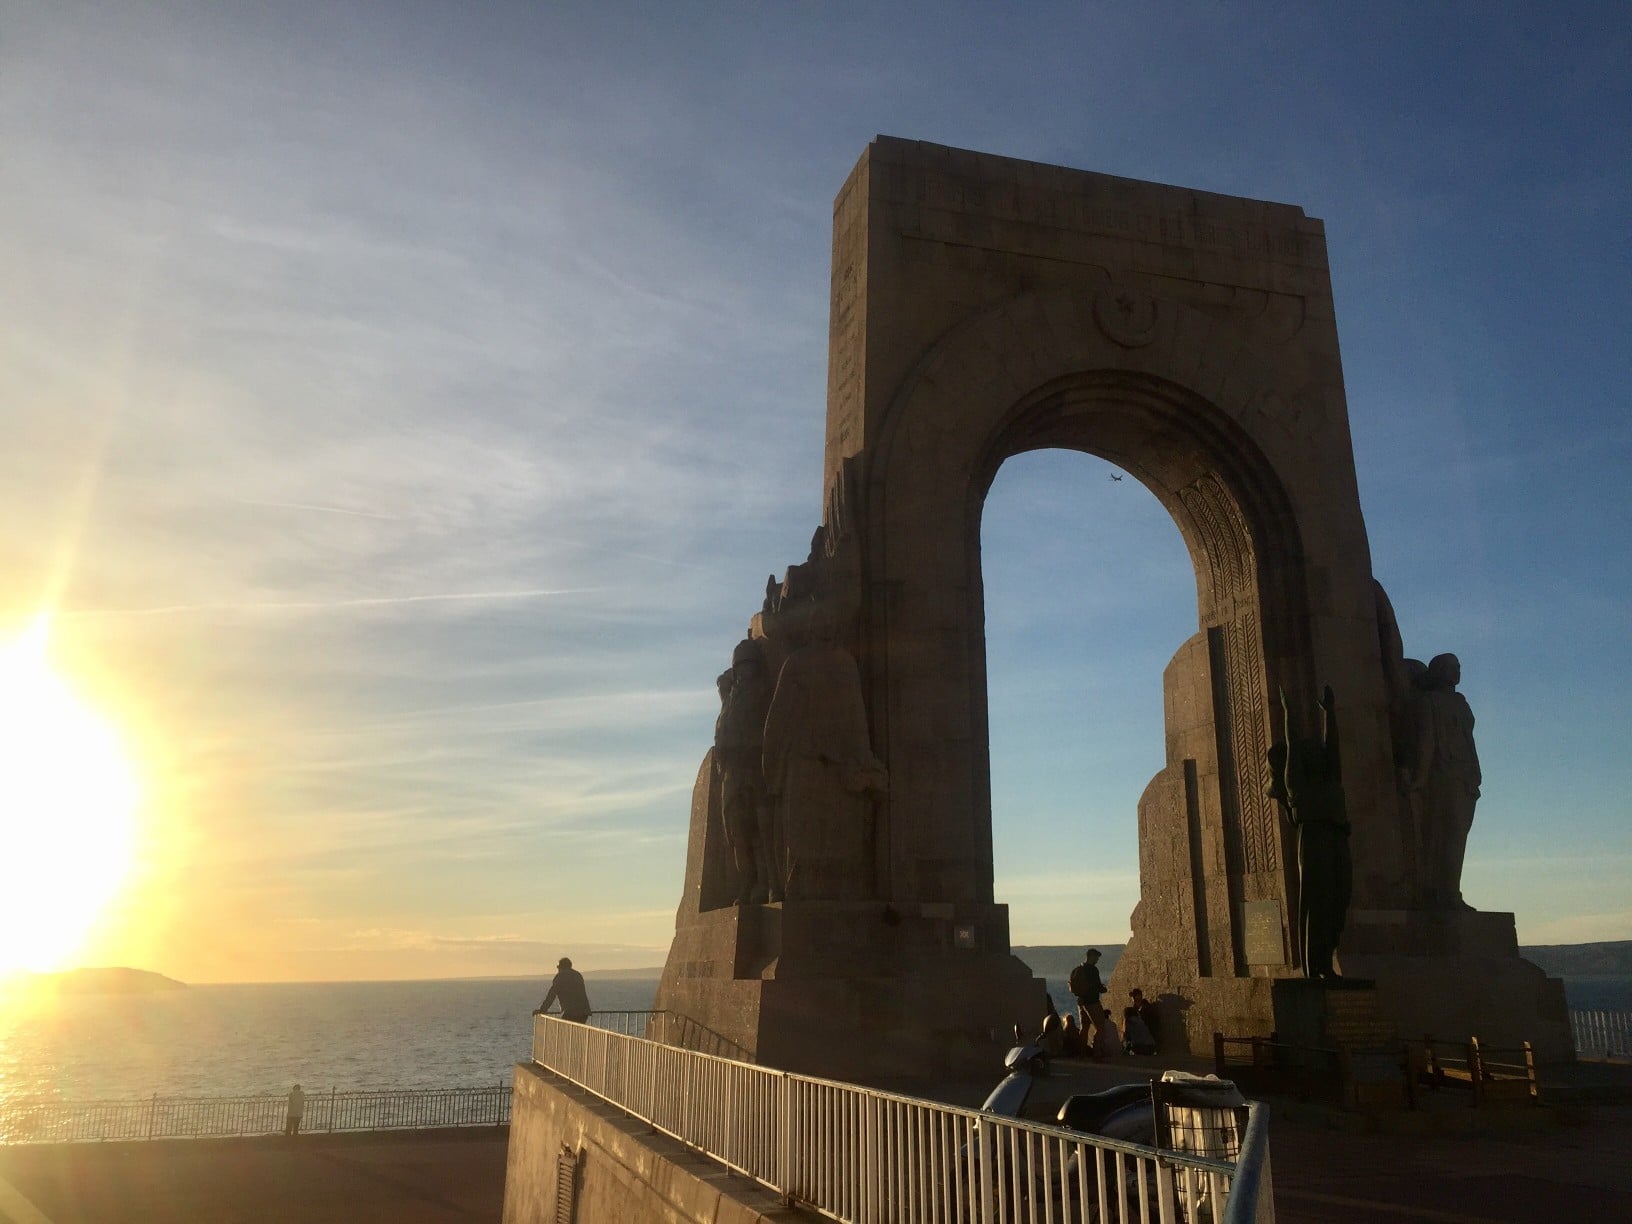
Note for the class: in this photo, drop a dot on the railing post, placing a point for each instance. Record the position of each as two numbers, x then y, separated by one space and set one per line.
785 1124
152 1113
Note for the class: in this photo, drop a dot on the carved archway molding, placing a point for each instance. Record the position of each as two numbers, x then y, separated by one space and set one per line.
1040 371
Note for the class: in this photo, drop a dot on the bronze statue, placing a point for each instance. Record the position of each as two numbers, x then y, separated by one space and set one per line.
1306 780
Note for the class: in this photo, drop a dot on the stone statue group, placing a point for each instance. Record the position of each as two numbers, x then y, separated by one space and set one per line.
1437 782
1436 765
797 775
795 780
794 768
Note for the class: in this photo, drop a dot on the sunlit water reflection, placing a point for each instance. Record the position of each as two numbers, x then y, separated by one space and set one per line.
241 1039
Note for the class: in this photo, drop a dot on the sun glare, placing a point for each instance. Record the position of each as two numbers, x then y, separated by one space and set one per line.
68 801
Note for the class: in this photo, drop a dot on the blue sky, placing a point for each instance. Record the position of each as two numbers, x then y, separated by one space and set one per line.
403 404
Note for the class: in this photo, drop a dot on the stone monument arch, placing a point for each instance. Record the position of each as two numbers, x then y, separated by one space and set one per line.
982 308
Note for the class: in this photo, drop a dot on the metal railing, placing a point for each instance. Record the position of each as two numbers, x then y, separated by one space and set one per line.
858 1155
669 1028
1251 1199
1606 1034
52 1121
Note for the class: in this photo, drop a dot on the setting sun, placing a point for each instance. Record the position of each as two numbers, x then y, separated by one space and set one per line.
68 800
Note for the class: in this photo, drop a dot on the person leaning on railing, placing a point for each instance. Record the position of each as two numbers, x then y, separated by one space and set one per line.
297 1110
568 987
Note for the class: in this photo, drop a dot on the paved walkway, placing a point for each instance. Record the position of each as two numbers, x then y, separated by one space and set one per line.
1559 1174
404 1177
1515 1172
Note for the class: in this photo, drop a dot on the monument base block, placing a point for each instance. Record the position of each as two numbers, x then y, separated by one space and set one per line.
863 991
1192 1006
1458 975
1446 975
1341 1014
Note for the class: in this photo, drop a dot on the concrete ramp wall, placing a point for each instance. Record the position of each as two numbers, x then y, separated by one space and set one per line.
574 1159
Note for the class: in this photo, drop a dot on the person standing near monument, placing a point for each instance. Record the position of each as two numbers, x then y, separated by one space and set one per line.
1086 985
568 987
1447 779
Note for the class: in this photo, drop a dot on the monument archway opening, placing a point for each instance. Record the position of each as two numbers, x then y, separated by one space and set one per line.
1087 590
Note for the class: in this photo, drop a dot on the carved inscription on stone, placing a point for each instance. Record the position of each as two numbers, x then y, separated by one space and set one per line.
1355 1018
1265 936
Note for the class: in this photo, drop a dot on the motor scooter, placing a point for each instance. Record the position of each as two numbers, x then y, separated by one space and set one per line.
1122 1185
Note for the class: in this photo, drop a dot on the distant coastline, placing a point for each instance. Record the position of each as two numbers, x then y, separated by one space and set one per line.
110 981
1612 958
1596 975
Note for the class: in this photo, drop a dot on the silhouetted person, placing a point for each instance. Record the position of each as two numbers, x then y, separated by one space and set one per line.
297 1110
1071 1037
1051 1038
1140 1024
568 987
1085 984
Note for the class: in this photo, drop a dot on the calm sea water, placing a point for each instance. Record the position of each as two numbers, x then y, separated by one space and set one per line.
230 1040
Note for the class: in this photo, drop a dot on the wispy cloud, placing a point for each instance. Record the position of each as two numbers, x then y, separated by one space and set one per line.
384 601
405 414
277 505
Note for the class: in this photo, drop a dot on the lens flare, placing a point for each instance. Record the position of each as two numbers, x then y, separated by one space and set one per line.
68 804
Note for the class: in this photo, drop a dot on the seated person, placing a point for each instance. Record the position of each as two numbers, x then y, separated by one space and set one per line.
1071 1038
1107 1041
1052 1039
1140 1023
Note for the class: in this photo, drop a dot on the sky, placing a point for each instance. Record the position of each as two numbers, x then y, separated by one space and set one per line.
402 404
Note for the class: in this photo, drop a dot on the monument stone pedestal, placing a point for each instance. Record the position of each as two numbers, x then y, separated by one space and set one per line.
1455 975
859 990
1316 1019
1339 1014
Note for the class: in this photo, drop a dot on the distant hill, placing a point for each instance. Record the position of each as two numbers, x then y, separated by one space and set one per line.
1611 959
117 981
621 975
1055 961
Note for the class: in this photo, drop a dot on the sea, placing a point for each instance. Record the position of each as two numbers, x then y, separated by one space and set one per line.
246 1039
236 1040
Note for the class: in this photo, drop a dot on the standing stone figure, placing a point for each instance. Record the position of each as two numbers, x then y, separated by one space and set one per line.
739 742
1446 780
1306 779
1405 682
821 771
